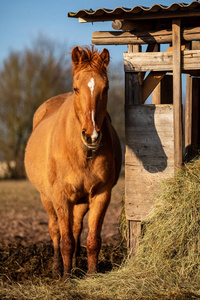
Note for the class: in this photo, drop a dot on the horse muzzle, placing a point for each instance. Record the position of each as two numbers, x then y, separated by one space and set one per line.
90 142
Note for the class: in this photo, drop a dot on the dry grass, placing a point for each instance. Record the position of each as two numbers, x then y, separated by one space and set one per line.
19 195
167 265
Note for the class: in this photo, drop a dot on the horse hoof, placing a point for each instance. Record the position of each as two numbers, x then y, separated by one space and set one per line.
91 273
66 277
57 272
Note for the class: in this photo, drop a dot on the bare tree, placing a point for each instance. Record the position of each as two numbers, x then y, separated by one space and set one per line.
27 79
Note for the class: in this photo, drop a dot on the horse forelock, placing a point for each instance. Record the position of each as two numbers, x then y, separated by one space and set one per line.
90 61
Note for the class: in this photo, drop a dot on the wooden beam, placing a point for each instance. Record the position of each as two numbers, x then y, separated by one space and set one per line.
132 25
147 37
150 83
160 61
177 93
195 46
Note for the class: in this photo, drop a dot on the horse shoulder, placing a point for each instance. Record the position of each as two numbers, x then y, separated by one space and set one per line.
48 108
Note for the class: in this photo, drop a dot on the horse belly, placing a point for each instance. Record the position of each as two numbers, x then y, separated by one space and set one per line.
36 158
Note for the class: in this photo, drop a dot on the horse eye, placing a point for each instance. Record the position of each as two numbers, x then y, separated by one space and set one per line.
75 90
106 89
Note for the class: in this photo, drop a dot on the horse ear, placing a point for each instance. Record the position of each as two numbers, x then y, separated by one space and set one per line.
105 57
76 55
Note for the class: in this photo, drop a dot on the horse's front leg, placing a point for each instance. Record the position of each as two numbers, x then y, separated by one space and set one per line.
64 210
78 215
98 206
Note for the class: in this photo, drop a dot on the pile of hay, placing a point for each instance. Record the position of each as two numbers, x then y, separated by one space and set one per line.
167 265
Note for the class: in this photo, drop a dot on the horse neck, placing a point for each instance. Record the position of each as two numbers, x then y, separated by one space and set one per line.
72 131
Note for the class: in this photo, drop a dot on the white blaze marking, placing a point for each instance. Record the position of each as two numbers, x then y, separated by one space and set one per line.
94 134
91 85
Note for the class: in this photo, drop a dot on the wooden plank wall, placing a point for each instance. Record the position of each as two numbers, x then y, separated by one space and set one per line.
149 155
160 61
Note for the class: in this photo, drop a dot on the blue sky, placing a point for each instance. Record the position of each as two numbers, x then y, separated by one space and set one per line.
21 21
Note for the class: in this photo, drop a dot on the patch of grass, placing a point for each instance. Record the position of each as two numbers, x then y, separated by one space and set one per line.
20 195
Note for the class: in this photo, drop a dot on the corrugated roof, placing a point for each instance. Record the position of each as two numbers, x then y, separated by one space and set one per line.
103 14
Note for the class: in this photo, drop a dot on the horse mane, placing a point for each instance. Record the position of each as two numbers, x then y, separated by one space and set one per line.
90 61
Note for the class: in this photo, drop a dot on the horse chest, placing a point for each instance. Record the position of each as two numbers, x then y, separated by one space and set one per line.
81 185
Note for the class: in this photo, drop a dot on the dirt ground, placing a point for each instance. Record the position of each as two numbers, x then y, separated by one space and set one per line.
24 220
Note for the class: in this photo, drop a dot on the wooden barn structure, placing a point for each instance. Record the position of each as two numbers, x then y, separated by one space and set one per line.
159 135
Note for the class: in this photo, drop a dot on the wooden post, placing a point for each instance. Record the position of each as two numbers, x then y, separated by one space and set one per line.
156 99
163 93
134 230
188 117
132 85
156 95
177 93
132 97
195 115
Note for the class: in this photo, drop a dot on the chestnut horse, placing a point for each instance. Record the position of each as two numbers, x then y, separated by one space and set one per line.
73 158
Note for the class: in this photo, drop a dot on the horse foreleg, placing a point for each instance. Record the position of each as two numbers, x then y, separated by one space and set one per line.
64 211
78 215
98 206
55 236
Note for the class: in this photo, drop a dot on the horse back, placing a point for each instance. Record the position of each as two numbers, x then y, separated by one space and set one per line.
48 108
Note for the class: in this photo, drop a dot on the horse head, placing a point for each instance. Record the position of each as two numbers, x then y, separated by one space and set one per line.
90 92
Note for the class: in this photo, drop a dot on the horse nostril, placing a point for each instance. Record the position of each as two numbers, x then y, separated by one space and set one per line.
89 139
83 134
99 134
86 137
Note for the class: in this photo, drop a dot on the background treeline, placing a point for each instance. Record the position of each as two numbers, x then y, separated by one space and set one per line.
30 77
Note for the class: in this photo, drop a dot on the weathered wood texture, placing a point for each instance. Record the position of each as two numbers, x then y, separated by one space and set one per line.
125 38
160 61
195 46
177 94
135 232
132 97
163 93
195 116
192 117
149 155
188 117
132 84
131 25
